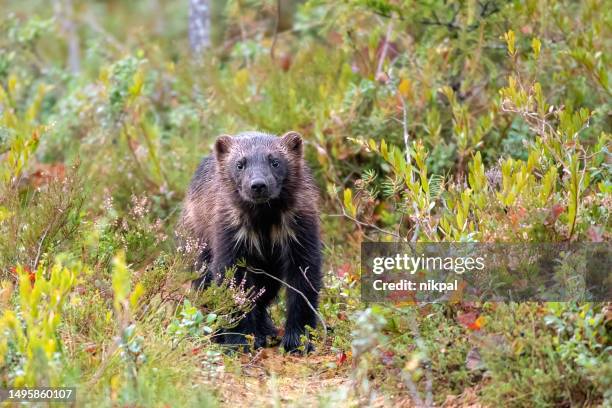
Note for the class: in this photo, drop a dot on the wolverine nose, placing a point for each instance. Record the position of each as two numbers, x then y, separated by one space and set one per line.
259 186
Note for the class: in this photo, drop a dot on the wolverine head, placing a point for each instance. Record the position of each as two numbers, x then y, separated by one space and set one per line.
258 165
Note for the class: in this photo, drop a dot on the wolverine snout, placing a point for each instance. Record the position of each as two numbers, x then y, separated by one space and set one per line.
259 186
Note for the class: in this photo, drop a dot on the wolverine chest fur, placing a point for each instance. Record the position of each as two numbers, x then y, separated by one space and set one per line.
265 235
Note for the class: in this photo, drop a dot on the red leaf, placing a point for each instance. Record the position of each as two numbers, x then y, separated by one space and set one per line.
32 277
517 215
43 174
344 270
90 348
285 62
556 211
341 358
471 320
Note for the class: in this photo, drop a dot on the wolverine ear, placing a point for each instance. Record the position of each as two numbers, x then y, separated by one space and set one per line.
293 142
223 145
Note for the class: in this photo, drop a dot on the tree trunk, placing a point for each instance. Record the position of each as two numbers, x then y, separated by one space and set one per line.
199 25
64 12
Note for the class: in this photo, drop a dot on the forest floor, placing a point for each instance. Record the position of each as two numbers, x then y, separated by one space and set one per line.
269 378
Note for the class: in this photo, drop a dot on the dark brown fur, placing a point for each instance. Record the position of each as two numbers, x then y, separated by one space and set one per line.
279 236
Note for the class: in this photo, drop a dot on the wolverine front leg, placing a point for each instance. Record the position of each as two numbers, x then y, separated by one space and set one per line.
303 275
226 256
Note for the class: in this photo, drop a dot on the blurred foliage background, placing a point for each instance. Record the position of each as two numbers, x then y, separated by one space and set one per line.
432 120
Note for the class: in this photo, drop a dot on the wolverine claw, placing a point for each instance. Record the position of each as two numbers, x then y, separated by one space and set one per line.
260 342
291 344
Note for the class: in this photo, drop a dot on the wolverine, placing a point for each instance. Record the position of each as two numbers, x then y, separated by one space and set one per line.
253 204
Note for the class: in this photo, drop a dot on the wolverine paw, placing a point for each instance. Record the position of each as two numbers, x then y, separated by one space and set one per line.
266 341
238 342
292 343
260 342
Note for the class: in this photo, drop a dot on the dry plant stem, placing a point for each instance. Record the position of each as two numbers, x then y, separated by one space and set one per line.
361 223
151 184
92 23
406 136
100 371
385 48
303 271
40 244
243 35
64 13
276 22
428 374
365 224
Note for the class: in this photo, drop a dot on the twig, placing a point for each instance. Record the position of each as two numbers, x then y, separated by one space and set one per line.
255 358
102 367
40 243
276 23
365 224
406 136
64 11
429 377
385 48
306 277
93 24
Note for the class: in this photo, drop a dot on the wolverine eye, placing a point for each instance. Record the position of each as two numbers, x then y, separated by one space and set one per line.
275 163
240 165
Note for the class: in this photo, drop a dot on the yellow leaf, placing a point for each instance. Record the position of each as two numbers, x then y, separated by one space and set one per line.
241 79
510 39
12 85
348 201
480 322
405 88
518 346
536 45
115 383
104 76
136 295
137 84
348 197
383 150
5 214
